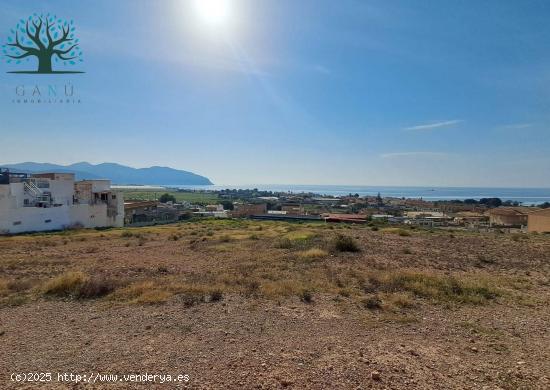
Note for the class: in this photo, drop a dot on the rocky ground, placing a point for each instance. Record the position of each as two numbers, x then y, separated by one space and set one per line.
265 331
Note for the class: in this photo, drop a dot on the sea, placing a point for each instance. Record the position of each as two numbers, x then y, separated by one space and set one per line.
526 196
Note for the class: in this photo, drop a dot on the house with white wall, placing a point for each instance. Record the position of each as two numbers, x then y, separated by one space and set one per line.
55 201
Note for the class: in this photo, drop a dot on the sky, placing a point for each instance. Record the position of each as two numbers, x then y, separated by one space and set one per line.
357 92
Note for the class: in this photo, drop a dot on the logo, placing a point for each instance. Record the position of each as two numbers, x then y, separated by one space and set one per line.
47 38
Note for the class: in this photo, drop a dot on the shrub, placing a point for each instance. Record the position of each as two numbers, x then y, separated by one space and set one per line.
95 288
191 299
403 233
372 303
374 228
345 292
345 244
216 296
306 296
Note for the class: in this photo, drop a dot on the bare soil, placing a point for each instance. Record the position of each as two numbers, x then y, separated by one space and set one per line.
240 304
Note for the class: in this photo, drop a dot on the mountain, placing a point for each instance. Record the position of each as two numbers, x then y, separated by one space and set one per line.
118 174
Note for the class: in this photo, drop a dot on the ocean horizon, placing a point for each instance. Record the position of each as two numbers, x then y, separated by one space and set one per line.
526 196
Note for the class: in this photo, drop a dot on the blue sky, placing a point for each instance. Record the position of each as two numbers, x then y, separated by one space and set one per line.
444 92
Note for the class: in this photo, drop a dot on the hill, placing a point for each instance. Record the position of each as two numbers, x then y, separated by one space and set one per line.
118 174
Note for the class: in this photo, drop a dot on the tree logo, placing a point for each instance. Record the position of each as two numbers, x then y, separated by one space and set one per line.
46 37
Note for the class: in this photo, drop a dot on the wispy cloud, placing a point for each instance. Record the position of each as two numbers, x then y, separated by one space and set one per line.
435 125
321 69
518 126
415 154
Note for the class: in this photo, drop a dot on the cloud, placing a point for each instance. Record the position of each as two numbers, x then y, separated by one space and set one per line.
518 126
321 69
414 154
435 125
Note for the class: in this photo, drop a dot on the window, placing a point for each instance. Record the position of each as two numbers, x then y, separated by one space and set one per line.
113 196
17 223
47 221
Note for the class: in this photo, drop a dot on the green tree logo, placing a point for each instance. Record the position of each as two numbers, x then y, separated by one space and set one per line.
46 37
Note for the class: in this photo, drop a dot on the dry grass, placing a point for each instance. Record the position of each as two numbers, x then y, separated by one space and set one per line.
156 292
434 286
67 284
401 300
4 289
300 235
78 285
313 253
142 292
281 288
241 257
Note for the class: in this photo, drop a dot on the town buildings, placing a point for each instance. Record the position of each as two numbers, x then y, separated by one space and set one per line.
55 201
246 210
510 216
539 221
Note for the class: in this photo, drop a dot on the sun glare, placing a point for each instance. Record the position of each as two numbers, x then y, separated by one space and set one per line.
215 13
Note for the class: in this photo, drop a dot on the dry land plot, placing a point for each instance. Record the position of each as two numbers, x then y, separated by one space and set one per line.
241 304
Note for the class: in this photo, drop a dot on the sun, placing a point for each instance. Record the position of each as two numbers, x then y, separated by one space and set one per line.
215 13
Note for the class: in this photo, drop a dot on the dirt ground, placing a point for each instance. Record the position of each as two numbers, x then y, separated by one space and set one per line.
263 305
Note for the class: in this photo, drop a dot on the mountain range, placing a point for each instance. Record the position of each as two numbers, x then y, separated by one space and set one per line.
118 174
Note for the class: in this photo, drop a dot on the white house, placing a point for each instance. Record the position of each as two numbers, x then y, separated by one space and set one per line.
54 201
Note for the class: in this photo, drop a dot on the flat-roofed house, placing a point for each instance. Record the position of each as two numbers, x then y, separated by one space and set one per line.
539 221
510 216
470 217
55 201
293 208
246 210
139 211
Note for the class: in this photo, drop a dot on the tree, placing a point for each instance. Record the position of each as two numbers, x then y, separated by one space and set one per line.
46 38
165 198
491 202
227 205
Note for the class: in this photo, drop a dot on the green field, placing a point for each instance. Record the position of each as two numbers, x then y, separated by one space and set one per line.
154 194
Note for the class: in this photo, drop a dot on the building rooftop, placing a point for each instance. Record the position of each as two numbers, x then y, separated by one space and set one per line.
511 211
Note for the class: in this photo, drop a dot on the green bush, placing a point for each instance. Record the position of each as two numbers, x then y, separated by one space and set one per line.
166 197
